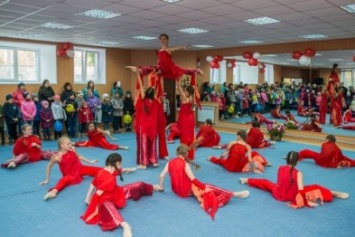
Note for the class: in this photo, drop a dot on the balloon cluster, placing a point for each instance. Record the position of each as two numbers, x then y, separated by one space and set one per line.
262 67
304 58
214 61
252 58
66 50
232 63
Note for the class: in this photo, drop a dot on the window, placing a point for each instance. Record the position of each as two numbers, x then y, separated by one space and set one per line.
348 77
269 74
219 75
26 62
89 65
245 73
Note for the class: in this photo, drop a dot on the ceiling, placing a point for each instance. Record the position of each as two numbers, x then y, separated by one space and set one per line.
223 19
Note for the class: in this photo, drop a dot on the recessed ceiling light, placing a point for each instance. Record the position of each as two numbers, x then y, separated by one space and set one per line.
250 41
335 59
28 34
202 46
313 36
349 8
193 30
261 21
285 63
318 64
171 1
142 37
108 43
59 26
318 54
292 60
96 13
270 55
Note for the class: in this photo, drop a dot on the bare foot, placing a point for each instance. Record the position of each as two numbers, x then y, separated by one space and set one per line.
123 147
129 170
166 158
241 194
155 165
217 147
157 188
141 167
50 194
243 180
209 158
132 68
340 195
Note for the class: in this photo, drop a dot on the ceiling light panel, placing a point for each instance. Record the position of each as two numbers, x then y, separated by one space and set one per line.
193 30
261 21
101 14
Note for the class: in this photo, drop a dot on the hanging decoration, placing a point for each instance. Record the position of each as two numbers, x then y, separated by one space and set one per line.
214 61
304 58
66 50
262 67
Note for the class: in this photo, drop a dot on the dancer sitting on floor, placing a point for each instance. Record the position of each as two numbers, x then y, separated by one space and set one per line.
238 157
207 137
105 196
27 148
290 117
258 117
174 132
313 125
301 111
256 138
347 115
184 184
289 186
330 155
97 139
70 166
275 113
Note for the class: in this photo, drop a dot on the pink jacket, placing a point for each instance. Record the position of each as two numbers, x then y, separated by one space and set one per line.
28 110
18 97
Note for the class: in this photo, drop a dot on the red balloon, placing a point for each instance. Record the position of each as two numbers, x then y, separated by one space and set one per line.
247 55
234 64
262 70
252 62
214 64
61 52
309 52
67 45
233 61
216 58
354 58
296 55
220 58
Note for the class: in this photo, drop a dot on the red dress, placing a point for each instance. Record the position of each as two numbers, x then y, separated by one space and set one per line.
292 118
23 145
161 124
210 136
180 182
97 139
85 115
323 108
255 139
186 123
312 127
236 159
262 119
286 187
168 68
276 114
348 117
174 132
336 110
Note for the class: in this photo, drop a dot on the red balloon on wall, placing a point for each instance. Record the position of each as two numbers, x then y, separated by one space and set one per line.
309 52
233 61
60 52
67 45
262 70
214 64
296 55
247 55
252 62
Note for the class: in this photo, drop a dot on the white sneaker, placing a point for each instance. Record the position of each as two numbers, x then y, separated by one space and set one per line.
11 165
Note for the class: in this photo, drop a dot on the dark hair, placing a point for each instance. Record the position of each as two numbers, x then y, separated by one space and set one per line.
164 35
149 93
242 134
190 89
67 84
287 112
292 159
335 65
208 122
93 85
44 82
255 124
112 159
331 138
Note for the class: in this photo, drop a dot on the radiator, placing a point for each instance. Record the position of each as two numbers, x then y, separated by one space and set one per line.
206 112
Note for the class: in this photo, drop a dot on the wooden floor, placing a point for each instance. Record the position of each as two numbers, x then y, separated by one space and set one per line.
304 137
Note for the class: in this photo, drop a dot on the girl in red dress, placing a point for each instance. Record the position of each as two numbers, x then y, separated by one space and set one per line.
323 107
238 157
334 80
108 197
97 139
184 184
313 125
186 119
258 117
70 166
289 186
207 136
256 138
27 148
174 132
347 116
275 113
336 108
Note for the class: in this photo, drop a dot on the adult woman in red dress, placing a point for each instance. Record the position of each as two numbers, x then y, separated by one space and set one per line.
289 186
104 197
330 155
238 157
27 148
97 139
336 108
323 107
256 138
146 107
186 119
184 184
334 80
70 166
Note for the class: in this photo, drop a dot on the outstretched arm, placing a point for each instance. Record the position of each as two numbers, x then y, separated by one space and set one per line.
181 92
177 48
107 133
162 175
53 160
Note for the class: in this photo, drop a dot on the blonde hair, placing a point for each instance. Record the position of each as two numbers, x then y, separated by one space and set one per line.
25 126
61 141
182 150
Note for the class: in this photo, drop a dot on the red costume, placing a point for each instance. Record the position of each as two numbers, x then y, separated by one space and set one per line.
102 209
336 109
72 170
256 139
348 116
24 151
261 119
333 83
286 187
210 136
237 160
186 123
275 113
161 124
301 111
323 108
97 139
329 157
326 193
313 126
174 132
291 118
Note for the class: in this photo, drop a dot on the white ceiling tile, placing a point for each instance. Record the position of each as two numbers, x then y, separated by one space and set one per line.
147 14
274 11
200 5
324 12
224 9
252 5
11 15
143 4
120 8
172 9
33 3
310 5
196 15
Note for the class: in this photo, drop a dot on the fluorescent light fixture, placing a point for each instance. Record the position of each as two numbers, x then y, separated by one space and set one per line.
202 46
261 21
59 26
318 54
108 43
335 59
350 64
292 60
313 36
96 13
285 63
250 41
193 30
318 64
270 55
142 37
171 1
28 34
349 8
